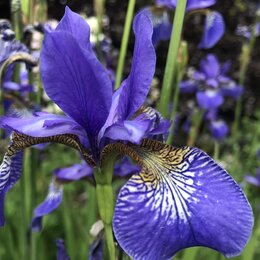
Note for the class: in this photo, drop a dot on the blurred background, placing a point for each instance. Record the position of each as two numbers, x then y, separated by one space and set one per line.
234 143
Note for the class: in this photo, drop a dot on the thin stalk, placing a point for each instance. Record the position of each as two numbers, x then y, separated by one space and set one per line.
170 69
105 199
175 104
216 150
196 123
90 212
24 206
31 11
190 253
124 44
43 11
244 62
68 225
16 18
181 67
99 9
33 194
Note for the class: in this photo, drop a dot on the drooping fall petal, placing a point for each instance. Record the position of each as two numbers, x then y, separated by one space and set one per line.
179 200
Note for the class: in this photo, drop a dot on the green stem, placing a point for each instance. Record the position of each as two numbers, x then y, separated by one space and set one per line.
16 18
196 123
34 170
105 199
181 67
244 62
99 9
68 224
216 150
24 205
123 48
30 11
172 57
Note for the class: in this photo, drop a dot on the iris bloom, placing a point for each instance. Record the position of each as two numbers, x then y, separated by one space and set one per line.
214 26
69 174
211 83
179 198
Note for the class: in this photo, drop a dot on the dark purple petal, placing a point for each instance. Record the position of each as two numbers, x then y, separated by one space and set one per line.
162 25
258 153
135 88
61 250
76 81
95 251
225 68
2 208
52 202
10 173
191 4
133 131
232 90
199 4
210 66
214 29
218 129
209 99
43 124
168 3
113 115
125 167
74 172
188 86
159 129
75 25
174 206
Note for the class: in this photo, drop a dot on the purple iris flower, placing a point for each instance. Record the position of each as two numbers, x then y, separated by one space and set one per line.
179 197
211 83
69 174
246 31
214 26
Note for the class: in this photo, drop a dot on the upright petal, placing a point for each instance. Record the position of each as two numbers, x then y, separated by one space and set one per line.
75 25
76 81
179 200
162 25
214 29
135 88
210 66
